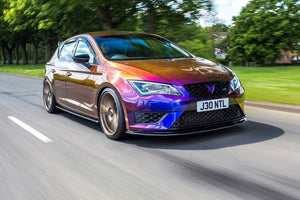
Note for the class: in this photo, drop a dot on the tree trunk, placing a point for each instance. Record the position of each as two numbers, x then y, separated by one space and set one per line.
17 54
3 54
106 18
48 51
35 52
47 48
9 54
106 26
59 37
248 64
150 27
24 53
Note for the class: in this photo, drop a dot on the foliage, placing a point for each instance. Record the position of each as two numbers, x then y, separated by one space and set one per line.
196 40
263 29
163 15
33 22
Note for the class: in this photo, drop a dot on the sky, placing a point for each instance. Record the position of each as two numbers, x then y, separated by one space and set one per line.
226 9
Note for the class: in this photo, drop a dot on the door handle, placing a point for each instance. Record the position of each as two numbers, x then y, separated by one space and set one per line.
53 71
69 74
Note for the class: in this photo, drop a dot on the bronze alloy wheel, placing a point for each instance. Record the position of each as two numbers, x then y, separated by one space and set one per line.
48 97
111 115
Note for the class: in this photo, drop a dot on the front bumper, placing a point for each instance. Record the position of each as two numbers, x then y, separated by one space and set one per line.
189 131
176 118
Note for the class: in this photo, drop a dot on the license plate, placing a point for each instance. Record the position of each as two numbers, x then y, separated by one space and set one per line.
215 104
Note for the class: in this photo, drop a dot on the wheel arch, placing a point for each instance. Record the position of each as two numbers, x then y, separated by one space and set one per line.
111 86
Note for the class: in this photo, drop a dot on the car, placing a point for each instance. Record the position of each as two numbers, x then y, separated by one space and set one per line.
141 84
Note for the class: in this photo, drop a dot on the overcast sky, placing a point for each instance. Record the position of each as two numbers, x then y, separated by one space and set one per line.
226 9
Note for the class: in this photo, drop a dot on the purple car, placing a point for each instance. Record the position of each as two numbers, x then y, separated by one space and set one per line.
136 83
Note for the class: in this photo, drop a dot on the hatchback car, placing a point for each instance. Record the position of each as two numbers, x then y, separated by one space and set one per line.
137 83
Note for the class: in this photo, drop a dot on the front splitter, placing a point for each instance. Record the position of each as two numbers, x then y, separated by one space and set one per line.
189 131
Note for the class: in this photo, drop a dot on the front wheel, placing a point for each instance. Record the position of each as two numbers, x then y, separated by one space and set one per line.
111 115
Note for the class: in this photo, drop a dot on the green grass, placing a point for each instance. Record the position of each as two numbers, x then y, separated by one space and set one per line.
279 84
31 70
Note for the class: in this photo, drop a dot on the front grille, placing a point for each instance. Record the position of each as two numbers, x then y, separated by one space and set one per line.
194 118
208 89
147 118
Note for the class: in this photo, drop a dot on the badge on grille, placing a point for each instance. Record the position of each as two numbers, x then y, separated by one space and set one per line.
211 88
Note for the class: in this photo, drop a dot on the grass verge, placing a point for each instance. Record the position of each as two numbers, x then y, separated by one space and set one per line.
30 70
280 84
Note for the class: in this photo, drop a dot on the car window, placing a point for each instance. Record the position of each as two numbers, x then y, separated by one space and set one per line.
138 47
83 48
66 52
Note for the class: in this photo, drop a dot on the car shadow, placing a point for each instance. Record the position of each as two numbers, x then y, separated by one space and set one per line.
249 133
80 120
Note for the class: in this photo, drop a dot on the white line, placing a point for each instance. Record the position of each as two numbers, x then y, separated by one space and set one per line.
30 130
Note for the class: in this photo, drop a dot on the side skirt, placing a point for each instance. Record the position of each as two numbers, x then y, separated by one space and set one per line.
77 114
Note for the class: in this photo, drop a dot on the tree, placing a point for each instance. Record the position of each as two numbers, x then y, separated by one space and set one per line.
196 40
263 29
159 15
24 23
49 19
3 32
6 37
19 23
105 15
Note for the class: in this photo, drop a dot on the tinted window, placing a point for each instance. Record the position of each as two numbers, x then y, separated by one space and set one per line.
137 47
83 48
67 51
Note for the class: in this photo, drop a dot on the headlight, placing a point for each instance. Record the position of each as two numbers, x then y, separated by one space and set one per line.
145 88
235 84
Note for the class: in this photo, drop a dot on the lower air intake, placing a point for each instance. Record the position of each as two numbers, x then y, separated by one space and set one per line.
194 118
147 118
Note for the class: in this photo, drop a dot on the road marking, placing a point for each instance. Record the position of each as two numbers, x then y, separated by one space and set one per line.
30 129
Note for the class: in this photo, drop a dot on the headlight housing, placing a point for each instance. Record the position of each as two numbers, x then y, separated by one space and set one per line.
146 88
235 84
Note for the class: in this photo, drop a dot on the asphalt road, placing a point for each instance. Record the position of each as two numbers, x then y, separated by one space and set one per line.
258 160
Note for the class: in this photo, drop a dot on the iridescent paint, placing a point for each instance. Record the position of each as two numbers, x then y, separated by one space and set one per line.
115 74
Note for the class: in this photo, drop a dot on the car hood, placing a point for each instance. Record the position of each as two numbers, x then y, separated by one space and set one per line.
176 71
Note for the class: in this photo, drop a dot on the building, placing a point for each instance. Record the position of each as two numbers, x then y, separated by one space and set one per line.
289 57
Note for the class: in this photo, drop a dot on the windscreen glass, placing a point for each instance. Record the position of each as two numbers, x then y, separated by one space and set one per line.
138 47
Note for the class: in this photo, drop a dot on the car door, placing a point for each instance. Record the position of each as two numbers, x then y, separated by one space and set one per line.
65 54
81 90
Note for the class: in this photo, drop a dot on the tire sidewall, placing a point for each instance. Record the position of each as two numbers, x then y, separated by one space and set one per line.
52 107
120 132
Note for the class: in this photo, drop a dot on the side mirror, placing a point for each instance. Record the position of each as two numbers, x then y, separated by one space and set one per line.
81 58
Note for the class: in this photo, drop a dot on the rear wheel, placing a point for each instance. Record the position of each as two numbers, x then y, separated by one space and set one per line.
48 97
111 115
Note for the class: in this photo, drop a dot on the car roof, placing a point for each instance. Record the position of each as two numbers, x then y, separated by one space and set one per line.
112 33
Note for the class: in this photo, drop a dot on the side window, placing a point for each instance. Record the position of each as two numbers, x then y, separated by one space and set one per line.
83 48
66 52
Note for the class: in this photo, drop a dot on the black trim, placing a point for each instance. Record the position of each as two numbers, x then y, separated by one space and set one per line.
189 131
192 118
77 114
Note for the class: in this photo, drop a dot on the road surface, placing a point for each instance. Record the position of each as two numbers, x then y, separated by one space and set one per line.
60 156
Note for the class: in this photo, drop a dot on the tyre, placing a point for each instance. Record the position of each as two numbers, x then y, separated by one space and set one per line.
111 115
48 98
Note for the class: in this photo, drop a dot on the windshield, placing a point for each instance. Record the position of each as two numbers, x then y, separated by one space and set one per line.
138 47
